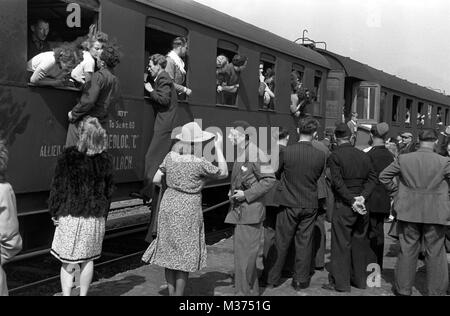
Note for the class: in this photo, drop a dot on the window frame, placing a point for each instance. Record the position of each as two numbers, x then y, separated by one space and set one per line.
228 46
269 59
409 102
397 104
368 85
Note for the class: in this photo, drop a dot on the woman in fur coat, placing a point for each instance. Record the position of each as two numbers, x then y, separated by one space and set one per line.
79 201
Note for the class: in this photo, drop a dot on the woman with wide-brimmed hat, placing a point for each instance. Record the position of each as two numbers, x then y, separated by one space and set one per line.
180 244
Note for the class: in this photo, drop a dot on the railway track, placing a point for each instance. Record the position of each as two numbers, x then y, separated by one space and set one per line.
120 244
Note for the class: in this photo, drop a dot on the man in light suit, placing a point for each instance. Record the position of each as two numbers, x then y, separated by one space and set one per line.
423 211
251 179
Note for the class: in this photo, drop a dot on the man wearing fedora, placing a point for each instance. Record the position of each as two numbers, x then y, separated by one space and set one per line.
251 179
353 179
423 211
379 203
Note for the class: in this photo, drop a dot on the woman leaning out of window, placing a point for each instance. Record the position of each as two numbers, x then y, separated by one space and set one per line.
53 68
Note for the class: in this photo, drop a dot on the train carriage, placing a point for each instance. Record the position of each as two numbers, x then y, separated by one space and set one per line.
34 119
380 97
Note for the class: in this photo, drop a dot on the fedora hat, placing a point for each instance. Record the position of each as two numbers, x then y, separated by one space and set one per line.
192 133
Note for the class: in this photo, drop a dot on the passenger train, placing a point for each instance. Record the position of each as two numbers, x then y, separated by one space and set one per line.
34 119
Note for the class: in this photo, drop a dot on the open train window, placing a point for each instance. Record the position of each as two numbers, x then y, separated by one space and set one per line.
54 22
366 101
446 122
429 115
420 114
299 71
317 86
227 74
267 78
408 112
439 117
159 39
395 109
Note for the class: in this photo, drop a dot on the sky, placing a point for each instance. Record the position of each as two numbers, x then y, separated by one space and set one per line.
406 38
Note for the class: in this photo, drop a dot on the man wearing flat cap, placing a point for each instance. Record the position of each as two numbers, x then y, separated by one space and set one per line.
379 202
423 211
353 179
252 178
408 143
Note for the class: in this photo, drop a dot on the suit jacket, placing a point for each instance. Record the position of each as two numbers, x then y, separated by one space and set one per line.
322 184
255 178
422 193
99 94
352 174
380 200
164 99
301 167
270 196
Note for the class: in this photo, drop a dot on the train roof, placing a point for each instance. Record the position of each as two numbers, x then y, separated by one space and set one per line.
364 72
212 18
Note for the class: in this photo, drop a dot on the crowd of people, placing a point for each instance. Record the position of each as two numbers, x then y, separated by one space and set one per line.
315 181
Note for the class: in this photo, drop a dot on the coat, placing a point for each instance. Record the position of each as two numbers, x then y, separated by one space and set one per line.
301 167
255 178
82 185
352 174
421 195
99 95
164 99
380 200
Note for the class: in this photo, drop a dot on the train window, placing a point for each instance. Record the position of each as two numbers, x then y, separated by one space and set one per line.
54 22
317 86
299 71
366 103
383 99
439 117
446 122
395 108
229 65
429 114
159 39
409 107
267 87
420 114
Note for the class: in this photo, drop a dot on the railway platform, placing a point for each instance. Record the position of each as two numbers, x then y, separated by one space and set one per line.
216 279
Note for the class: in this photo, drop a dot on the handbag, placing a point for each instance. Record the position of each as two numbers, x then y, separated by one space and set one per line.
150 252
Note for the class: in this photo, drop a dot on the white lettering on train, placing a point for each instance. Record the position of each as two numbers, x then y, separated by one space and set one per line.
123 163
119 142
48 151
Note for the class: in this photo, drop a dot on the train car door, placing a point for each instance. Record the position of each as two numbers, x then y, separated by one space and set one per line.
366 102
335 99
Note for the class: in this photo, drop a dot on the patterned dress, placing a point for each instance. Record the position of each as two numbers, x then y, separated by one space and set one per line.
180 244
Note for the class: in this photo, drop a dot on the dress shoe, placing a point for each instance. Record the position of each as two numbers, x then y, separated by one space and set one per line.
137 195
331 287
298 286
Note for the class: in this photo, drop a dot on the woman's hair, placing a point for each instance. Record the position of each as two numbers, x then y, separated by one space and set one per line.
93 139
111 55
179 42
158 59
3 159
68 54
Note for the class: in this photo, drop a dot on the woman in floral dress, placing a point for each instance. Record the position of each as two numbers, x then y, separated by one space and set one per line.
180 244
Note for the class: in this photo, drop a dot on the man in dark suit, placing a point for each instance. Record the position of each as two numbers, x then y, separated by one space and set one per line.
301 166
251 179
353 179
423 211
163 98
379 203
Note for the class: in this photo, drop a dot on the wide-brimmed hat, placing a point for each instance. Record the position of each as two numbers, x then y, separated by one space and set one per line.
192 133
